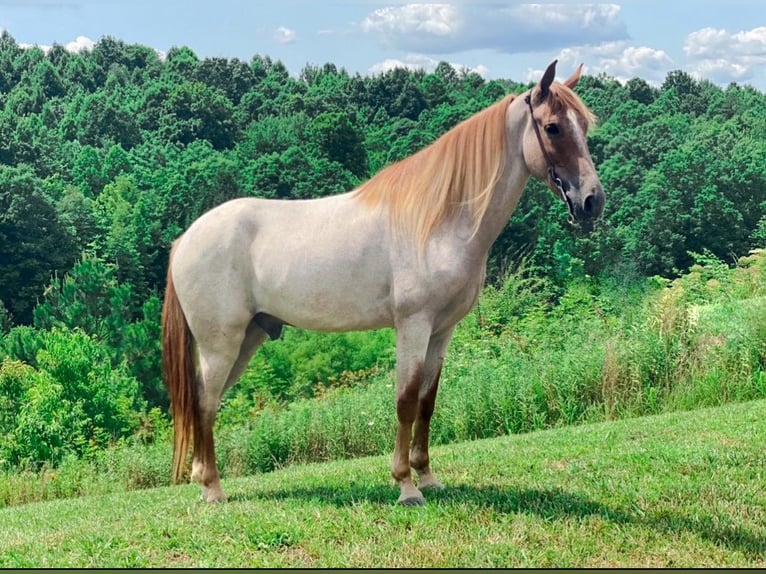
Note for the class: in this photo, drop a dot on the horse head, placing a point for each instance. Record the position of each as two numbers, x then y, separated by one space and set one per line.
555 147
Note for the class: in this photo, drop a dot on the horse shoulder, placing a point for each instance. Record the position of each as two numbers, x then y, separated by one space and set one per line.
444 283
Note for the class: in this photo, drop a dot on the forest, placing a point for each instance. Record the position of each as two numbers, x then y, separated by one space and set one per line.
106 156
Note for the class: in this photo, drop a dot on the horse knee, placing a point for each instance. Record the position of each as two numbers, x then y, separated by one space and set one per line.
426 411
407 405
408 397
419 459
428 398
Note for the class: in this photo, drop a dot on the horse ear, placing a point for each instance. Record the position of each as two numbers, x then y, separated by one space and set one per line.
571 82
547 79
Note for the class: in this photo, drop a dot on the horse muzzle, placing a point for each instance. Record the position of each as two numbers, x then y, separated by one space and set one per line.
584 207
591 206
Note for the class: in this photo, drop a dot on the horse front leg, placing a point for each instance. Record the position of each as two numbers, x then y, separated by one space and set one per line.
411 345
419 458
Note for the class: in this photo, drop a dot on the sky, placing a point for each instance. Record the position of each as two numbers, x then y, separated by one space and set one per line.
723 41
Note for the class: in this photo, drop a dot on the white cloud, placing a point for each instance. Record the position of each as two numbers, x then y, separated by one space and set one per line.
434 19
721 70
712 43
619 60
481 69
76 46
285 35
422 62
723 56
506 28
80 44
44 47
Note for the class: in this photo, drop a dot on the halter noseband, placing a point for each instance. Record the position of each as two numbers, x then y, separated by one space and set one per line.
553 176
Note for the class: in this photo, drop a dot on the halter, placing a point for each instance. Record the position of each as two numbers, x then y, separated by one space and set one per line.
553 176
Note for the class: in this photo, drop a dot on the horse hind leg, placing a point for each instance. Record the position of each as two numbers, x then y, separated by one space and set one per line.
255 335
221 365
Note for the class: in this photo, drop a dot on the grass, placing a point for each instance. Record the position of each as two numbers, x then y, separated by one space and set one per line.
679 490
518 363
528 357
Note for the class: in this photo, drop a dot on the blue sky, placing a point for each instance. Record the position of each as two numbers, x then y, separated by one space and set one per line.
723 41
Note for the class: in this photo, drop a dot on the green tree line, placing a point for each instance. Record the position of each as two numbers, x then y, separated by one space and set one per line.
107 155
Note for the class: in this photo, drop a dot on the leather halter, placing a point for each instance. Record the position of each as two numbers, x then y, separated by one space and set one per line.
553 176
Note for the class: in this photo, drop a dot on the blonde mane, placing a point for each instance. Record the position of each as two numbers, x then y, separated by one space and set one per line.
458 171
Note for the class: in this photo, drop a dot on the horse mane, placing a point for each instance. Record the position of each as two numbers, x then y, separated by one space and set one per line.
458 171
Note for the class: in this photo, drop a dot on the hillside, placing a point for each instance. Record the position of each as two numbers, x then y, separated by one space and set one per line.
681 489
107 155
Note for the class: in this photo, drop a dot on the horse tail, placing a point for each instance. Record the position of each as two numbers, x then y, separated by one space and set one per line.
180 375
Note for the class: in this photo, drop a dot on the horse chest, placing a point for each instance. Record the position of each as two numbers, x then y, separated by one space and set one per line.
446 294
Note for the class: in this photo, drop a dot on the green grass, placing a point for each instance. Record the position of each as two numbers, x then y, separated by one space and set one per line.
680 489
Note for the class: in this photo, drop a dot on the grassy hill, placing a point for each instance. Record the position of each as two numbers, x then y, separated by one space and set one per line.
680 489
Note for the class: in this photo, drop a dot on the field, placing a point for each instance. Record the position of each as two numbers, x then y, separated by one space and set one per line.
676 490
601 405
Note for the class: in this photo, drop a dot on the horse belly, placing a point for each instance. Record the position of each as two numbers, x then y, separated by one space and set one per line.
311 288
324 305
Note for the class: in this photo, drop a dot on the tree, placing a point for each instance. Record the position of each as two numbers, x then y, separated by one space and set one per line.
232 77
91 299
294 174
87 172
447 73
272 134
101 118
129 223
73 402
340 141
196 111
691 95
398 92
75 212
180 64
9 51
640 91
33 242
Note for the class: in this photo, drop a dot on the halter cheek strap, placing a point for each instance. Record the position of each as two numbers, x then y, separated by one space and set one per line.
553 176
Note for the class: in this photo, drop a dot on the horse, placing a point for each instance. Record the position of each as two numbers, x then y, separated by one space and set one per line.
406 249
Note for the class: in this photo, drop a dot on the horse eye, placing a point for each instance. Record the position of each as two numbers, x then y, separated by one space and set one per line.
552 129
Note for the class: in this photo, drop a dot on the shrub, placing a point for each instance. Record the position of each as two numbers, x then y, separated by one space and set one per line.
73 401
15 379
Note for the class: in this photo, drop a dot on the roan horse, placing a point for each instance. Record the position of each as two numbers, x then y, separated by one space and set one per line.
407 249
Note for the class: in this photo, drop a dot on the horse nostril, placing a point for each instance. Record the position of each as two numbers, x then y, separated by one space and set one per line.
589 205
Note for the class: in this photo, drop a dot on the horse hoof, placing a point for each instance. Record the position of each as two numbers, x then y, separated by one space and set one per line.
412 500
217 498
431 485
213 497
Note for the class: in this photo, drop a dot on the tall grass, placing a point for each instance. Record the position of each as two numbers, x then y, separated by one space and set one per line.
519 363
522 360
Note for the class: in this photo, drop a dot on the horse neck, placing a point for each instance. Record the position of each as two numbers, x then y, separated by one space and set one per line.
511 184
